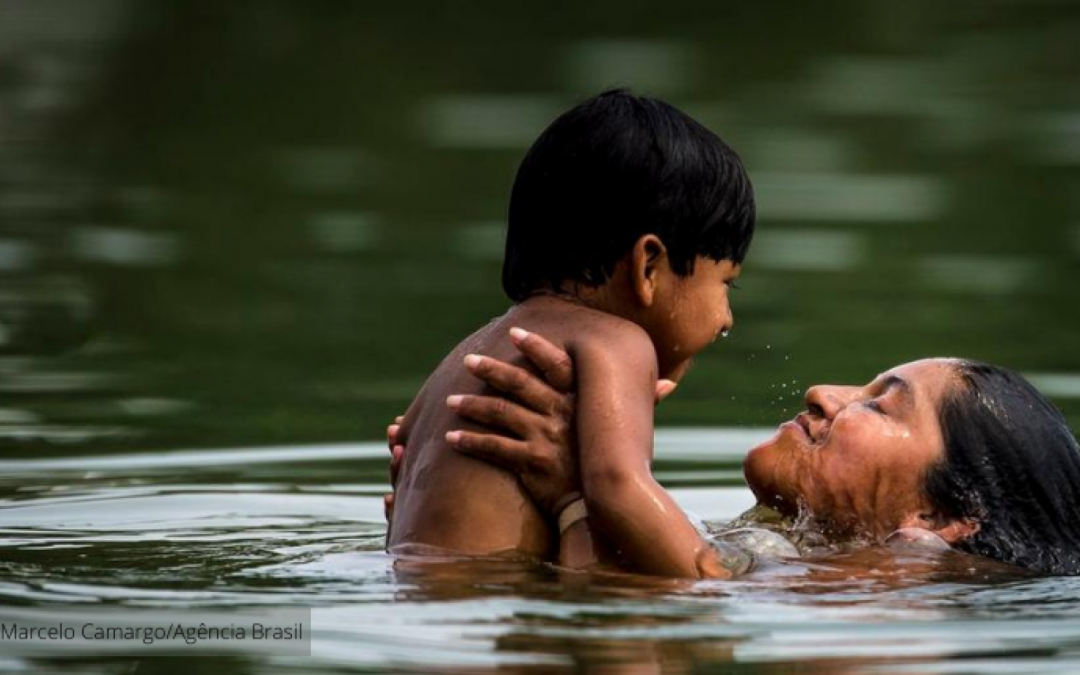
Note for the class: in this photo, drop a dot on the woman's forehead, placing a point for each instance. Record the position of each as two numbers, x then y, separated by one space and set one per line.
932 377
932 368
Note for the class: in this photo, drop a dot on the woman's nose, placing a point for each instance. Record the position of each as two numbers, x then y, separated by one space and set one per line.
826 400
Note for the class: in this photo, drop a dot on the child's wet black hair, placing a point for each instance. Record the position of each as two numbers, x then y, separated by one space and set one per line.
1013 466
615 168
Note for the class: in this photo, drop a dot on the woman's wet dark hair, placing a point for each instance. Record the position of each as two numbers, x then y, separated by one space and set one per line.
1011 464
615 168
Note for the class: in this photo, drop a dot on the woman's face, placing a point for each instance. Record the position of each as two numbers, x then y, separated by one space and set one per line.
857 458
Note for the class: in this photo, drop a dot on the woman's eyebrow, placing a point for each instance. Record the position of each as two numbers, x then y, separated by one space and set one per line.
905 388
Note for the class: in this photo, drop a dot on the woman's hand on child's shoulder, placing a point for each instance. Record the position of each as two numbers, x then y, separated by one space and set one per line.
533 426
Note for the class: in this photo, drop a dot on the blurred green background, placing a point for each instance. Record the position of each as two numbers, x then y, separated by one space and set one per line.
247 223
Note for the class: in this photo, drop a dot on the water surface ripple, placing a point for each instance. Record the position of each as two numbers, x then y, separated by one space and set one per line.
160 534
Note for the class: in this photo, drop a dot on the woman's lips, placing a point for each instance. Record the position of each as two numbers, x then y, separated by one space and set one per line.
798 427
804 421
801 423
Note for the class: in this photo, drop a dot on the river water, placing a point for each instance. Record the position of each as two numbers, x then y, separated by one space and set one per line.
160 534
235 238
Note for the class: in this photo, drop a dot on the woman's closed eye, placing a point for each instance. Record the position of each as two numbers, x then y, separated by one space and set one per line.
874 405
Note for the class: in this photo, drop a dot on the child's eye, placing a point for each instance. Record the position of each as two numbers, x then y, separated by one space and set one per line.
875 406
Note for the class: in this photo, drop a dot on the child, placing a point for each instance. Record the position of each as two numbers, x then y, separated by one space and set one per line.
628 223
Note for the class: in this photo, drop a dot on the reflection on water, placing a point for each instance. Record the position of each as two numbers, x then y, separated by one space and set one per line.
231 530
280 219
260 225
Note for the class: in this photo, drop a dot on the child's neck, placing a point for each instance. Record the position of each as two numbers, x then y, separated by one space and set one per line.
601 298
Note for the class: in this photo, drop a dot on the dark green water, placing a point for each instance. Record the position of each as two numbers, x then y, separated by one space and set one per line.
246 224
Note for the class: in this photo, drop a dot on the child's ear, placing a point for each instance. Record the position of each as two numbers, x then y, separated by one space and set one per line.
648 262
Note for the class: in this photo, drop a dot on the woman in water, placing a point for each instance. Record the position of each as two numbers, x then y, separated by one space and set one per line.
946 451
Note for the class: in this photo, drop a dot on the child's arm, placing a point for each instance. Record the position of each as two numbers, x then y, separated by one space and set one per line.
617 374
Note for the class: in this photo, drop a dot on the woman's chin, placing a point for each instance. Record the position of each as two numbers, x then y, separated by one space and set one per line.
759 469
762 470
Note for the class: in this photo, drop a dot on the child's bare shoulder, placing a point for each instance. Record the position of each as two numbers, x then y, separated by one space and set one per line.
600 336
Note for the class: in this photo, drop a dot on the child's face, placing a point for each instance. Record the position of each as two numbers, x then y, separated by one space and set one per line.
694 313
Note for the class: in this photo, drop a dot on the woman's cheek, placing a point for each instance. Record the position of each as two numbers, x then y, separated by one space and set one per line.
852 437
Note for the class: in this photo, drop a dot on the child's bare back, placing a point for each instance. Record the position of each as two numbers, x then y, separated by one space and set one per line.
450 501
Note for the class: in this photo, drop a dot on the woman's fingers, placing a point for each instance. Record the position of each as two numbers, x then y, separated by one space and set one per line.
396 454
388 506
393 430
555 364
517 382
508 453
547 474
497 413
